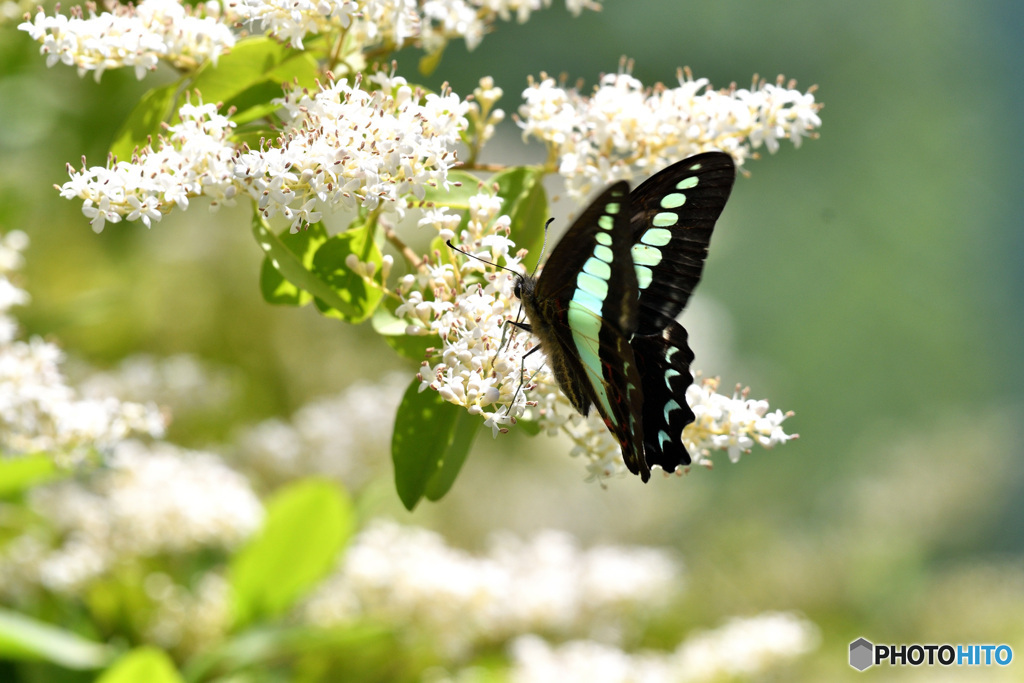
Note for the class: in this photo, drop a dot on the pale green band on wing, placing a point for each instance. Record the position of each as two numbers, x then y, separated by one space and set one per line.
644 255
612 207
665 219
687 183
657 237
644 276
673 201
663 438
597 268
669 407
604 253
588 301
586 331
606 222
603 238
592 285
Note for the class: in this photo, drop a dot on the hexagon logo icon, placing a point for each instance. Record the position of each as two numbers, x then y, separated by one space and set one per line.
861 654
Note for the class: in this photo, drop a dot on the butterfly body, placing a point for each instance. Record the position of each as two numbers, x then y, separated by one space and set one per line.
604 306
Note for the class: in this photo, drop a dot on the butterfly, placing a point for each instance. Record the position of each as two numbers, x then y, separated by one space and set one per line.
605 304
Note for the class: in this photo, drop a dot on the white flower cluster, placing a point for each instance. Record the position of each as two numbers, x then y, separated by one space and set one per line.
743 648
623 129
136 36
393 24
343 147
39 412
180 383
410 577
149 500
188 621
466 303
316 441
733 424
193 159
347 147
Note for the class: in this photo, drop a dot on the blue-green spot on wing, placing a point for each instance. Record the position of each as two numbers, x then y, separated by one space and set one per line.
673 215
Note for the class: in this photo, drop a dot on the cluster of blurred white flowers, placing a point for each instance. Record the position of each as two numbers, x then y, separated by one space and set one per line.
742 648
135 36
318 441
624 130
181 383
410 577
188 620
39 411
149 500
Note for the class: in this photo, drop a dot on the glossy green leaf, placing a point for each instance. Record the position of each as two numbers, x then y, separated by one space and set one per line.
526 203
355 299
290 266
146 120
461 440
303 244
146 663
456 196
24 638
306 526
251 73
429 445
20 473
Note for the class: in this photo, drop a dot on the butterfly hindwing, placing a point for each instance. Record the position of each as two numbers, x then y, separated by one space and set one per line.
664 361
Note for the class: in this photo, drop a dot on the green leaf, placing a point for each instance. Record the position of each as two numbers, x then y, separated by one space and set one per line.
146 120
456 196
303 244
24 638
429 444
526 203
392 329
146 663
20 473
291 266
358 298
251 74
307 525
258 646
463 433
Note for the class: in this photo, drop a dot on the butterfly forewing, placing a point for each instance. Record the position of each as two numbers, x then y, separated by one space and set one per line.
588 292
673 214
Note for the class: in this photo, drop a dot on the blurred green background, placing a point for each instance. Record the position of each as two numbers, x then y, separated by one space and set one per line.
869 281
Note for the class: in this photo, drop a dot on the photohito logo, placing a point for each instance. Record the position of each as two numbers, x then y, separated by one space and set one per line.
864 653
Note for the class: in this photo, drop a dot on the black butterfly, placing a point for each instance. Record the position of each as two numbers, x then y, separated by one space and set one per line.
604 307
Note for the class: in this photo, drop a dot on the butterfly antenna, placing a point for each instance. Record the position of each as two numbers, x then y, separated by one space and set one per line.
477 258
543 246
